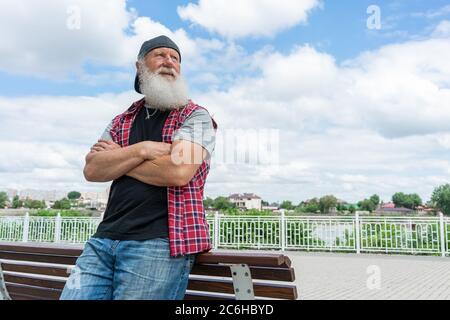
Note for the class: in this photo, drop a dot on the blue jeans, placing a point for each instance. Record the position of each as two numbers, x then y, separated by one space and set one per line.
128 270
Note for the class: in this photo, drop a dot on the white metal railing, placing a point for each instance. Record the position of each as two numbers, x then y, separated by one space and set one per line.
402 235
407 235
47 229
447 235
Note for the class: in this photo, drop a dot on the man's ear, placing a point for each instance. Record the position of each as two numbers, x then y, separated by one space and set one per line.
137 65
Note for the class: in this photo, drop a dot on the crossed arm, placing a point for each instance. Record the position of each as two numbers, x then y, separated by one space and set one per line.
155 163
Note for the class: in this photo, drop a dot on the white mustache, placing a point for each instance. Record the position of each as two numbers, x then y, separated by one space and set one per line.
165 70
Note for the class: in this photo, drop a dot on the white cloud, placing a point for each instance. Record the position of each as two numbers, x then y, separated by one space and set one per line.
431 14
45 139
234 19
36 39
378 123
398 90
444 140
442 29
374 124
351 164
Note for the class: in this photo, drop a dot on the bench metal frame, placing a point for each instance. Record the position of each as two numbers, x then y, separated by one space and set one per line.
3 292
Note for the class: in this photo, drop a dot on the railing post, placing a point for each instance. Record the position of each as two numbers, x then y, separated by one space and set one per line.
26 227
283 232
58 228
216 229
443 238
357 238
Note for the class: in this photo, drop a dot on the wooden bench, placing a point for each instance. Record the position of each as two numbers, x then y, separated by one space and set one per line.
35 271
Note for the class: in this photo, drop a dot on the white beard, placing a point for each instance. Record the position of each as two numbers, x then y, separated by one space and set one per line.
161 93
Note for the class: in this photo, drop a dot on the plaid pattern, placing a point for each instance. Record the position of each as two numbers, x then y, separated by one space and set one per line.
188 228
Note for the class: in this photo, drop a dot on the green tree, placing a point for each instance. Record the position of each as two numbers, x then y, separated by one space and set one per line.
208 202
3 199
17 203
287 205
399 199
33 204
223 203
352 209
312 206
375 199
327 202
410 201
416 200
73 195
367 205
62 204
441 198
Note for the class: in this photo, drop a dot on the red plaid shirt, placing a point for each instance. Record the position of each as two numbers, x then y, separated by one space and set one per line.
188 228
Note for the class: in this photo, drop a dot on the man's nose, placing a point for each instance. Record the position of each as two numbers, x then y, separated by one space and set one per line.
168 62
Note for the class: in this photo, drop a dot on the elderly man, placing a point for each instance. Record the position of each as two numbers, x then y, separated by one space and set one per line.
158 155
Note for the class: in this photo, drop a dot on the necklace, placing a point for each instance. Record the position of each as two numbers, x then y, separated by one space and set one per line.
150 115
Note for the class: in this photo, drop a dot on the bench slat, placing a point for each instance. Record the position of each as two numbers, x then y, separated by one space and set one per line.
56 271
48 258
44 248
266 260
206 296
261 289
43 293
34 281
17 296
262 273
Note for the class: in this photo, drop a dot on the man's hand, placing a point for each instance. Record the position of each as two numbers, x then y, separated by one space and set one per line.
104 145
174 169
104 166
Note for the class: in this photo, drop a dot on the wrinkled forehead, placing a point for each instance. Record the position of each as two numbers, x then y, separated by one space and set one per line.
164 50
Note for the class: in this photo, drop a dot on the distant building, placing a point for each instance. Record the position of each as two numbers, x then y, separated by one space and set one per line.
246 201
395 210
50 195
425 209
49 204
97 200
308 201
269 208
388 205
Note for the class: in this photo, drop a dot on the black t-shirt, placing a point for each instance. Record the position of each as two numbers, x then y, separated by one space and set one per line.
136 210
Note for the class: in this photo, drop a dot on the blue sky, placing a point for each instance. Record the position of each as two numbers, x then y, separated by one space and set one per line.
351 105
338 28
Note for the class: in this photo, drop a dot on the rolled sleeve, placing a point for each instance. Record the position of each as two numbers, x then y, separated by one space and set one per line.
198 128
106 134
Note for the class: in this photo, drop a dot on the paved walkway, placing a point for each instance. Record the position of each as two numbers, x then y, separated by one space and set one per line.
351 276
330 276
